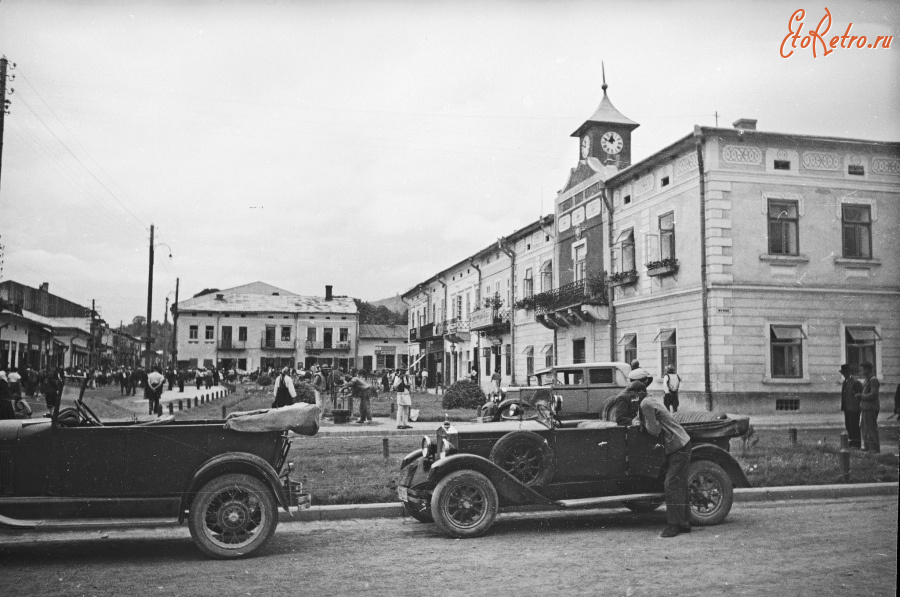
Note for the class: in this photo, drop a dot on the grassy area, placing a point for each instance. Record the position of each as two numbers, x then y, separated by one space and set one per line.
815 460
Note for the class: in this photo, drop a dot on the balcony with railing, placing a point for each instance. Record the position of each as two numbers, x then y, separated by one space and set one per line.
232 345
413 334
277 344
457 330
490 321
318 345
575 303
426 332
314 345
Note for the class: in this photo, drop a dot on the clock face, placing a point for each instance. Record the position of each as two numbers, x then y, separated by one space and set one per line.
611 142
585 146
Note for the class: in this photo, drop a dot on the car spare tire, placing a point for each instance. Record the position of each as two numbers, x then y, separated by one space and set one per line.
526 456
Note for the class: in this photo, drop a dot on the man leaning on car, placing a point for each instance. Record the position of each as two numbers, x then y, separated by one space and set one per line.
625 408
656 419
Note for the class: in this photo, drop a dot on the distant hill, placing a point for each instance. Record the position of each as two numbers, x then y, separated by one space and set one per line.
394 303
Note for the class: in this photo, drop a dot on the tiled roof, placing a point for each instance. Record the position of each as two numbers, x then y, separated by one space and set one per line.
389 332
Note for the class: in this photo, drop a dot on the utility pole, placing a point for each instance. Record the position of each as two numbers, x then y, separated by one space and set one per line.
175 326
149 357
4 103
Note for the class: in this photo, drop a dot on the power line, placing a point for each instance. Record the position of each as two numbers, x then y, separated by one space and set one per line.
83 165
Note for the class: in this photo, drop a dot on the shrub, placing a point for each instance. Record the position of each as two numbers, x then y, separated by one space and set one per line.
464 394
305 392
264 380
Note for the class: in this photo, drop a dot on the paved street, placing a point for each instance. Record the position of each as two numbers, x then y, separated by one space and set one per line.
842 547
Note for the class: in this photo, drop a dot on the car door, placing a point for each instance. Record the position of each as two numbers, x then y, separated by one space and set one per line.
596 451
646 454
571 384
87 461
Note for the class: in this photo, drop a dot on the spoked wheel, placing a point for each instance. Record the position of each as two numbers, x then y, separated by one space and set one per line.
526 456
464 504
711 493
233 516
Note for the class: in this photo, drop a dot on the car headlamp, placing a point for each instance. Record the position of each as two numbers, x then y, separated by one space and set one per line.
446 448
428 447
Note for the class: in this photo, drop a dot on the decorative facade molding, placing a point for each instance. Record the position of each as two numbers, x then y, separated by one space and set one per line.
742 154
593 208
886 165
578 216
565 222
821 160
686 165
644 185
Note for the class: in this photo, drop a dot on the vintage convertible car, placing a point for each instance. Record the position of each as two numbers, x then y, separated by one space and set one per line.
225 481
462 479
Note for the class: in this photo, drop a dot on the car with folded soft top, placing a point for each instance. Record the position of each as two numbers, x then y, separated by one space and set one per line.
463 477
226 478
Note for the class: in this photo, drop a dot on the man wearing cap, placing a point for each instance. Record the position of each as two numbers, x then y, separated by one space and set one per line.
850 391
626 404
868 404
657 420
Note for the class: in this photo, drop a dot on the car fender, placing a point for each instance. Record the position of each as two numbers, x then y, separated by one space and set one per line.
508 487
723 459
410 458
232 462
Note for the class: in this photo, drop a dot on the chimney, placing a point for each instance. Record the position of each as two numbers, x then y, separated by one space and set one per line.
45 287
746 124
327 292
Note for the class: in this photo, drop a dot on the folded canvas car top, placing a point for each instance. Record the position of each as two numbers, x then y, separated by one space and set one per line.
300 418
706 424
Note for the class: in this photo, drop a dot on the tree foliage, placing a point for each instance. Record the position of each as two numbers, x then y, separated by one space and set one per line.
369 313
464 394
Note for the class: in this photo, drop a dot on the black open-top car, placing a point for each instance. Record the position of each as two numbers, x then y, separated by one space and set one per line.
463 477
227 483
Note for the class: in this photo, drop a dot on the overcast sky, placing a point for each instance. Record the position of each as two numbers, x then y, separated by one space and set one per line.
366 145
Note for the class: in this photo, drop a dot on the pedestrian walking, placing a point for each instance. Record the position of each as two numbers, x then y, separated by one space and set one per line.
671 383
198 378
51 386
424 386
153 390
495 382
850 392
385 380
318 383
868 404
400 385
179 377
123 382
284 391
7 408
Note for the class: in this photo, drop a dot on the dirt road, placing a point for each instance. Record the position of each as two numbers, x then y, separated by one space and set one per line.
846 547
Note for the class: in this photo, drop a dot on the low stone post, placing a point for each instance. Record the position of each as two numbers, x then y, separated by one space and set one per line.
196 401
223 411
385 448
180 405
171 409
792 433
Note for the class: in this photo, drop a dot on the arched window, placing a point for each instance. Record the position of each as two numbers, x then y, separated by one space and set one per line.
547 276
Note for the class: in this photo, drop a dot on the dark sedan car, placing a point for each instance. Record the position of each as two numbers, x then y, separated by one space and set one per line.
73 465
463 477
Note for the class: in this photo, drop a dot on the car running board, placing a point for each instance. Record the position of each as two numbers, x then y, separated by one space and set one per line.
609 500
13 523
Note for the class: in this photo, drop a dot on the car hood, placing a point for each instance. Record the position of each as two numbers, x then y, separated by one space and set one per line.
13 429
502 427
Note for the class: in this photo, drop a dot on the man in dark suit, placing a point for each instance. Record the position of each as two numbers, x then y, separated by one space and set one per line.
868 404
850 391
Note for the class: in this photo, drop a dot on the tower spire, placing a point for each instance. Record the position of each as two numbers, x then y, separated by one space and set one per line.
603 69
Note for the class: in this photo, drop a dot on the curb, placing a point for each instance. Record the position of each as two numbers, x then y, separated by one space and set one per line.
752 494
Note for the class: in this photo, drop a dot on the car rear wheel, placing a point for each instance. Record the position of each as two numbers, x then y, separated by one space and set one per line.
643 506
710 493
464 504
232 516
526 456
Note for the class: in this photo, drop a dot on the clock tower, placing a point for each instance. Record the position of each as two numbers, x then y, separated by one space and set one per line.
606 135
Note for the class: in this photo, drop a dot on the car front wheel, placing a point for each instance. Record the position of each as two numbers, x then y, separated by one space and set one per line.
464 504
232 516
710 493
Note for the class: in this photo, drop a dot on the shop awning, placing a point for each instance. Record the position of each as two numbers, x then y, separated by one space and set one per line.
788 332
627 339
863 334
664 335
528 350
547 348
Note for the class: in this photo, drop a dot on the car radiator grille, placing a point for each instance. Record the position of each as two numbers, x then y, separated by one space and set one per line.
6 473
